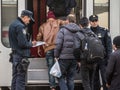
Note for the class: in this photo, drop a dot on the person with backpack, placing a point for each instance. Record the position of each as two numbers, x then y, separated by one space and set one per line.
64 53
104 35
87 69
113 67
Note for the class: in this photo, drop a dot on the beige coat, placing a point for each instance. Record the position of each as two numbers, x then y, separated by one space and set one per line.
48 32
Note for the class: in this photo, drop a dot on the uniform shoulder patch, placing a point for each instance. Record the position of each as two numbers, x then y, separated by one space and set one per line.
24 31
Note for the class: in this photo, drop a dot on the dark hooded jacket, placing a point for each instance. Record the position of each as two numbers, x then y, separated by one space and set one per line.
65 41
113 71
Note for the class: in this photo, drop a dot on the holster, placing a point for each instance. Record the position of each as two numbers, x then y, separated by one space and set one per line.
25 63
11 57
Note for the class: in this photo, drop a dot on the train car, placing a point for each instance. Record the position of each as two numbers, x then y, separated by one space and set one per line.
107 10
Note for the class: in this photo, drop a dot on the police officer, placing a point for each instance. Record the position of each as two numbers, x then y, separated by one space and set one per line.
20 49
104 35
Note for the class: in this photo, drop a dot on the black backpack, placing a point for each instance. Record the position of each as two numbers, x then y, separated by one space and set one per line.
58 7
92 49
61 7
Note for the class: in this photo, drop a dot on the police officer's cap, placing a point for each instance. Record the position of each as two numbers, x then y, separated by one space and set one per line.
93 18
27 13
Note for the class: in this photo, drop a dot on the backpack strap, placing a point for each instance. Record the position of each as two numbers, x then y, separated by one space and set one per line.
81 41
86 34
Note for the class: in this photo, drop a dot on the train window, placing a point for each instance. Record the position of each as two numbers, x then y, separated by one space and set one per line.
8 14
101 8
79 10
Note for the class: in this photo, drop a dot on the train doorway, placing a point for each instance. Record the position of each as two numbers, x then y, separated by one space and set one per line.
39 9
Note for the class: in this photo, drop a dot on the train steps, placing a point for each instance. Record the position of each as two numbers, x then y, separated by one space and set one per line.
37 76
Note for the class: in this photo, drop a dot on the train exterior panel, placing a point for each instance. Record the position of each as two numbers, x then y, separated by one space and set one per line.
37 72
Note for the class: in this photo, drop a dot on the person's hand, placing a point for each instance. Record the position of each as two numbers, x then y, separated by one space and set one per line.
39 51
56 59
79 64
34 42
78 67
107 85
46 44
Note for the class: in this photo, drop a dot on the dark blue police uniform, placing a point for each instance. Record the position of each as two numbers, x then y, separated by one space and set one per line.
20 52
104 35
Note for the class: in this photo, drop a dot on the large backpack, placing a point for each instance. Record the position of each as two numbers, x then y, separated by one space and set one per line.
61 7
58 7
92 49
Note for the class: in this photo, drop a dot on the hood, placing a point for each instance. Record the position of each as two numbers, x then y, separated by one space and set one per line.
72 27
86 30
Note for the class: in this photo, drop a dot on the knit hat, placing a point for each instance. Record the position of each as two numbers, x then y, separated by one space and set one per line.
50 14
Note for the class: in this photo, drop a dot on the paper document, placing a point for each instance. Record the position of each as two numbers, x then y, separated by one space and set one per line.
39 43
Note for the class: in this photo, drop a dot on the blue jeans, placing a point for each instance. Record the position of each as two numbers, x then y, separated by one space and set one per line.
50 63
68 70
18 74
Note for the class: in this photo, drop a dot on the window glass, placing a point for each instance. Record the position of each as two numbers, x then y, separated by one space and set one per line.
9 13
79 10
101 8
